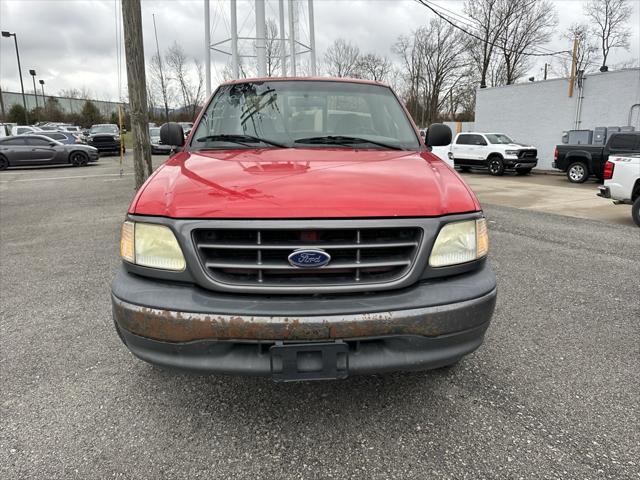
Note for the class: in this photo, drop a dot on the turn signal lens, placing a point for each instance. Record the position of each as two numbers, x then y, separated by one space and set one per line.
482 238
151 245
460 242
127 247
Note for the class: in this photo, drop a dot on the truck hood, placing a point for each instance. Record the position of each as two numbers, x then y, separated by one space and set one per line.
303 183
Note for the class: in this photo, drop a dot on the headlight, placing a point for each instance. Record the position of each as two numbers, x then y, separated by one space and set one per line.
511 152
151 245
460 242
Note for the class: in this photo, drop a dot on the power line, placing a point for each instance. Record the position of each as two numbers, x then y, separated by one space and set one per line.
427 4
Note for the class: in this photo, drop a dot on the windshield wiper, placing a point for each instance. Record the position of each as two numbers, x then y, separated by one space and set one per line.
345 140
239 139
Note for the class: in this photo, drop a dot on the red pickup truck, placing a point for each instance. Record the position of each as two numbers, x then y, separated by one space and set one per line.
304 231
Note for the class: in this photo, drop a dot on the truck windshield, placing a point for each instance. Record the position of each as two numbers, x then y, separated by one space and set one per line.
498 138
304 114
104 129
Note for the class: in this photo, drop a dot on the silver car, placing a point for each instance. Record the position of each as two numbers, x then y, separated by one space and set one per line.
27 150
157 148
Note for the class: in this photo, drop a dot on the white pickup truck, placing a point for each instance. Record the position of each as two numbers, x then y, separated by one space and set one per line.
622 182
494 151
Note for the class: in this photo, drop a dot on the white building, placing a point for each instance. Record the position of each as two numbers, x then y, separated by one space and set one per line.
539 112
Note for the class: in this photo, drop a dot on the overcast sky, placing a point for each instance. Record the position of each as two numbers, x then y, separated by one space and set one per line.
72 43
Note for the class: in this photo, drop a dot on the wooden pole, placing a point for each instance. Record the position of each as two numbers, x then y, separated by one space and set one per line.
137 86
572 79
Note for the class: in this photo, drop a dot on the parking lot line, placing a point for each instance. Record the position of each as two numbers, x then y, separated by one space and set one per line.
66 178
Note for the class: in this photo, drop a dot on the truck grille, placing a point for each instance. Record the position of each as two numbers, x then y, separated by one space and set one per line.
252 257
528 154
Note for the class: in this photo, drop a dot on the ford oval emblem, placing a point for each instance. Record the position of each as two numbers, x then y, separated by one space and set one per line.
309 258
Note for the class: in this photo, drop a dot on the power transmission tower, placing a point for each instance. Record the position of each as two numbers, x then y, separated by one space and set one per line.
137 85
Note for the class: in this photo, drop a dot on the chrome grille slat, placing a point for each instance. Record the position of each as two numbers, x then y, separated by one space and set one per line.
263 246
259 257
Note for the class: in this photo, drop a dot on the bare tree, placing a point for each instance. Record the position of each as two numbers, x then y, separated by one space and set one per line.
374 67
525 24
273 45
587 52
178 64
158 84
342 59
488 15
610 18
433 68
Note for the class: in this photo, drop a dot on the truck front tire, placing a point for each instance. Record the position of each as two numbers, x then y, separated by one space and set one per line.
496 166
577 172
635 211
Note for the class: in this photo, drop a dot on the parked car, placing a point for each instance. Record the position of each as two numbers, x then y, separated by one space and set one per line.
582 161
104 137
27 150
319 238
622 182
495 152
5 129
22 129
157 148
67 138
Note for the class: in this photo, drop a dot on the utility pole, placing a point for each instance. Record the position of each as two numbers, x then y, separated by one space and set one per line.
207 48
137 86
545 70
312 39
292 38
162 84
24 100
572 79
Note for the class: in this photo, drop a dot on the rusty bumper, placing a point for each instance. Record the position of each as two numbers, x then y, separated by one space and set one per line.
427 326
173 326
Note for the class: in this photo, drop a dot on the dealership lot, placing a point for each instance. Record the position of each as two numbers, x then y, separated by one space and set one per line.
551 394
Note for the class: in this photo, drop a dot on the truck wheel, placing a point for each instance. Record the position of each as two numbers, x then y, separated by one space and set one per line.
577 172
523 171
79 159
4 163
496 166
635 211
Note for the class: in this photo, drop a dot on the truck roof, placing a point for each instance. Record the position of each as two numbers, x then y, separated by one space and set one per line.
305 79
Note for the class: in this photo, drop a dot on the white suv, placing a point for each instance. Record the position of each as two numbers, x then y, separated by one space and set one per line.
622 182
493 151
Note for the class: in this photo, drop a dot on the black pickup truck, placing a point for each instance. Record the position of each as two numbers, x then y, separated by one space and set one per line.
582 161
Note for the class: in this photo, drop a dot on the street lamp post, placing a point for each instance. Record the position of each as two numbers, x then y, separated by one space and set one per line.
24 100
35 92
44 100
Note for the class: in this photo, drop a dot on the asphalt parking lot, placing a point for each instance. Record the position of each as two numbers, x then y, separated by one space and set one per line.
553 392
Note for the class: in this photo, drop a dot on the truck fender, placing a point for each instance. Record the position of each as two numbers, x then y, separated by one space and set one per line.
494 154
579 156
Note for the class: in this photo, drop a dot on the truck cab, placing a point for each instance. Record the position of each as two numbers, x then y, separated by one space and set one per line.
495 152
580 162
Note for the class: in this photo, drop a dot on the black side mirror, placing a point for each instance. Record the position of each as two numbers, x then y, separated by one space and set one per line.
172 134
438 135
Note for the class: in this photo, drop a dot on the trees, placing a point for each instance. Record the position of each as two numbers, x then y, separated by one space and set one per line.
341 59
273 48
374 67
610 24
587 51
16 114
90 114
180 72
434 69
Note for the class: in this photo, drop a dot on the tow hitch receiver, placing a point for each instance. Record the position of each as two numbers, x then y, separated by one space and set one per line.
309 361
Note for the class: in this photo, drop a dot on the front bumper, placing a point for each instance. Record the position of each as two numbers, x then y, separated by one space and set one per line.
521 163
105 146
431 324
